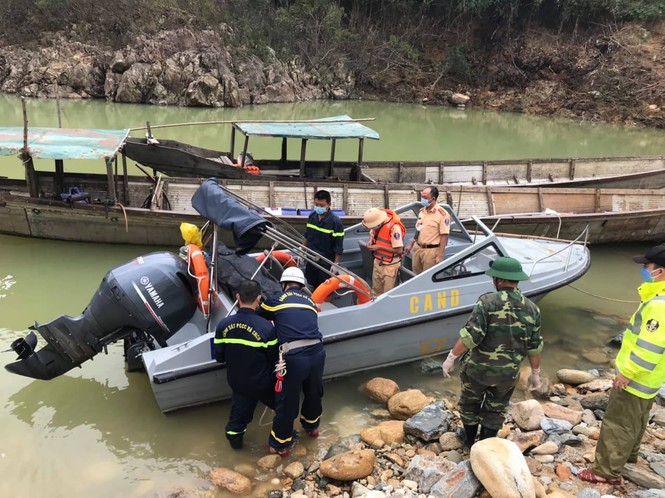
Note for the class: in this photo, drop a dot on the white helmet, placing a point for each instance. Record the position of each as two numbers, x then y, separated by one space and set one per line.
293 274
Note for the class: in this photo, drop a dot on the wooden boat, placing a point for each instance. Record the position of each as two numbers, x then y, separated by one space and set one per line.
136 210
150 303
178 159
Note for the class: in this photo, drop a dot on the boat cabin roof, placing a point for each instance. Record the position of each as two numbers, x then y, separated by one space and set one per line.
63 143
332 128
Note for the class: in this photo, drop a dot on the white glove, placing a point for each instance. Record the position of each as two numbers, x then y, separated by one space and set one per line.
334 270
533 382
449 364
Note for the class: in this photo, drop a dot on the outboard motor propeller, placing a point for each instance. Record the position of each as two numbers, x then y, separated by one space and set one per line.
152 294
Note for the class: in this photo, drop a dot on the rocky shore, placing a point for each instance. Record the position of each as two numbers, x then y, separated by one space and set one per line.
410 450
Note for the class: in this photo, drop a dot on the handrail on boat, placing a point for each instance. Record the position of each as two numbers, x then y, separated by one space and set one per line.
584 233
546 211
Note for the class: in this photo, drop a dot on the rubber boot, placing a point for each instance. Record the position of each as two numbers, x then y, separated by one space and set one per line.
467 435
486 432
235 441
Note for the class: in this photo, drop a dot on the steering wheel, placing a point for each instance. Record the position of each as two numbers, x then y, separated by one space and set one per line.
458 269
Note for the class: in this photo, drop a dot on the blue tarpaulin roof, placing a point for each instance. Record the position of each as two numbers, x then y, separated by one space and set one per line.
63 143
319 129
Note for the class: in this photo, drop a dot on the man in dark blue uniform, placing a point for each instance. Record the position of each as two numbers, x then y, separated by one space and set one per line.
248 345
325 236
301 354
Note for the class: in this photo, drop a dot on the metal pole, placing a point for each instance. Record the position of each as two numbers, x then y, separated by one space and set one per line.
233 141
303 150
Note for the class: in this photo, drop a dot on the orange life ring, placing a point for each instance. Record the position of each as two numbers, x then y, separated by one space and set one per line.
332 284
286 259
196 262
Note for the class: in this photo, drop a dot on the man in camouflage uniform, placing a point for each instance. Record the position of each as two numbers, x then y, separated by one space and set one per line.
504 327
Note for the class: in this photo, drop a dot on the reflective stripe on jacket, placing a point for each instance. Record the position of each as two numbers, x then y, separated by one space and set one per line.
642 354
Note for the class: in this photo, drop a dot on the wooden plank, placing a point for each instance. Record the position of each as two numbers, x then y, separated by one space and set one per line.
571 168
597 203
441 173
529 170
303 151
125 181
541 201
490 202
400 172
386 196
484 172
345 198
271 194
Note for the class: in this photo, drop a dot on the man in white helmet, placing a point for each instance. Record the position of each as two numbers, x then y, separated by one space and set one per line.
296 324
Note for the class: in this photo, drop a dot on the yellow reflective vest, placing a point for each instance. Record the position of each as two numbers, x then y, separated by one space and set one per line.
642 354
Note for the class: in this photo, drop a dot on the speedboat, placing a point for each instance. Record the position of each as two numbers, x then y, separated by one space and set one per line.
165 306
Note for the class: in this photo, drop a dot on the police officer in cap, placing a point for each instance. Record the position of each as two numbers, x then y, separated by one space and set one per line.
248 345
503 329
301 362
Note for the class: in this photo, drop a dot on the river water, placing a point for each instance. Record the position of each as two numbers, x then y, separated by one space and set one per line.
97 430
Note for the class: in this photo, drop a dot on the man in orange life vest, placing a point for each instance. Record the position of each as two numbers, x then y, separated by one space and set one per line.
432 229
386 241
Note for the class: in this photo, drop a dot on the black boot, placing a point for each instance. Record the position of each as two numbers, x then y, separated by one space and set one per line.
467 435
486 432
235 441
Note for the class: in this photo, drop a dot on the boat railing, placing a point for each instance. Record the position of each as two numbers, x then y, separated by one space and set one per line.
546 212
576 241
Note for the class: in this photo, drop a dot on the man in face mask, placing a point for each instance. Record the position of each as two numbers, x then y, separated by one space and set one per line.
432 229
503 329
640 369
325 235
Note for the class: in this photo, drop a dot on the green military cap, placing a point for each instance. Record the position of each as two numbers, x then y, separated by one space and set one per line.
507 269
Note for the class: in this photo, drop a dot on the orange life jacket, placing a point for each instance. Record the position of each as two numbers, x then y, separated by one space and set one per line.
381 237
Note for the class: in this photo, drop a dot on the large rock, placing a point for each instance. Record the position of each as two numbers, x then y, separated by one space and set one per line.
390 431
430 422
547 448
349 466
643 477
380 389
449 441
595 386
648 493
527 440
501 468
595 401
458 483
575 377
527 414
407 403
552 410
426 470
232 481
555 426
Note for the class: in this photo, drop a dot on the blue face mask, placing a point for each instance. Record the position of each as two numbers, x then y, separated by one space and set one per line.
424 202
646 275
320 210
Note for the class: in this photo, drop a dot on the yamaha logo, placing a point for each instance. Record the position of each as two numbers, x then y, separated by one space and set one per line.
145 280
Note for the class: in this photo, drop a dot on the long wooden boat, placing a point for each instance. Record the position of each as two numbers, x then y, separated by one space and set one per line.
118 208
179 159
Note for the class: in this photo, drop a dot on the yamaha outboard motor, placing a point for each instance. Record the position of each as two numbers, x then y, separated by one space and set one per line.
152 296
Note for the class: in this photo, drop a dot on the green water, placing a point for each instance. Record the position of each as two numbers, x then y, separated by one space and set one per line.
97 431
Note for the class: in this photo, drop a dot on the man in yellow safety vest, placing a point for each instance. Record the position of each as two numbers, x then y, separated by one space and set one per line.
640 374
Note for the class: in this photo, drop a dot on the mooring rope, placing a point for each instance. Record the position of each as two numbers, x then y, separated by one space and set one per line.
125 214
603 297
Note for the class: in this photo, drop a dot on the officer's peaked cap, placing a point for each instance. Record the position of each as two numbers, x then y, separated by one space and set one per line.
654 255
507 269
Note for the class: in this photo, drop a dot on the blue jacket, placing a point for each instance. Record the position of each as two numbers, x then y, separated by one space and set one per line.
248 345
326 235
294 314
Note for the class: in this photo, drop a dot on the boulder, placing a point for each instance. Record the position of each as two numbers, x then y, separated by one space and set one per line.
230 480
294 470
407 403
527 414
574 377
390 431
595 386
501 468
426 470
459 99
525 441
595 401
349 466
460 482
430 422
648 493
555 426
269 461
547 448
449 441
643 477
380 389
552 410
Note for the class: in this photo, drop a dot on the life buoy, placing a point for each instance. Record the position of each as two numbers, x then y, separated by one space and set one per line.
332 284
286 259
196 265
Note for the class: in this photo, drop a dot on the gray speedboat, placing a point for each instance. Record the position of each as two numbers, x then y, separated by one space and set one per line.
151 302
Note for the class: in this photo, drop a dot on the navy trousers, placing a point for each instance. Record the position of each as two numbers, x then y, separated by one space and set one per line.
243 404
304 373
314 276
